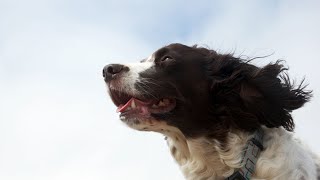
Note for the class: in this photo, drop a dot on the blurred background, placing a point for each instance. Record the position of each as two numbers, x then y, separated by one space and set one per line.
56 119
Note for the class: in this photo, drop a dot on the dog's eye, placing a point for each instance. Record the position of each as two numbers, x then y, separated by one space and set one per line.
166 58
164 61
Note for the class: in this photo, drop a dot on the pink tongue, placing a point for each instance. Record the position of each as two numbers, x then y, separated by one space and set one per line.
122 107
140 104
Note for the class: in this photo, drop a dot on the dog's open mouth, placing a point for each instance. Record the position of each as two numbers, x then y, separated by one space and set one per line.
129 105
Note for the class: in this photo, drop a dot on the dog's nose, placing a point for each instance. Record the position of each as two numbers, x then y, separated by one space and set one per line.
110 70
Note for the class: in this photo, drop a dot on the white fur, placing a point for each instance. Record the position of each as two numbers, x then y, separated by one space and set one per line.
131 77
284 157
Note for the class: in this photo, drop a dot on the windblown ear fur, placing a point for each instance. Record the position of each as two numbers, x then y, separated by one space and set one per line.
248 96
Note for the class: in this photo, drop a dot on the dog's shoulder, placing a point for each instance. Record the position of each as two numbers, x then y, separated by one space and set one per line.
285 157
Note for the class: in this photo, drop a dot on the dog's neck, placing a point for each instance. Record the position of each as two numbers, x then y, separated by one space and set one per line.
203 158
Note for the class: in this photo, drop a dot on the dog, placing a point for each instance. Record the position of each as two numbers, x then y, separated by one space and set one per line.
222 116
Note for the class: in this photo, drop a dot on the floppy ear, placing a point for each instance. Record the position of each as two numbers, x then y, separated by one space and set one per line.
248 96
278 96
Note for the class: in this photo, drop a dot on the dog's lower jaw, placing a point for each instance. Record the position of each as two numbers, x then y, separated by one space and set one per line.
202 158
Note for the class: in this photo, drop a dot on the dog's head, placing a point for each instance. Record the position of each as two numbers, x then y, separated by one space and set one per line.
202 93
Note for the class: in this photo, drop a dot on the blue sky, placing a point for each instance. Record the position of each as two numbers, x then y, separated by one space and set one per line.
56 120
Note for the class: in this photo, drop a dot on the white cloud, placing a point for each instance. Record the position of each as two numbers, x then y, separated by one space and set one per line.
56 120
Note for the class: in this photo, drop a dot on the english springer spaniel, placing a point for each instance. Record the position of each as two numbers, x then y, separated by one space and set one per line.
223 117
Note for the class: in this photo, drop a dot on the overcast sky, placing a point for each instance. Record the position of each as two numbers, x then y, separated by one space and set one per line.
56 120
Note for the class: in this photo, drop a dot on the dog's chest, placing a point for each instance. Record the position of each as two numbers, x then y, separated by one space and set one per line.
198 158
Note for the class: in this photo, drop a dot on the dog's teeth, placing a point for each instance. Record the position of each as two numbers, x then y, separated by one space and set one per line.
154 106
133 104
161 103
166 101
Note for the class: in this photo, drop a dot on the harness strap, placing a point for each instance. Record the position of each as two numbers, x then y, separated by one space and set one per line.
250 157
